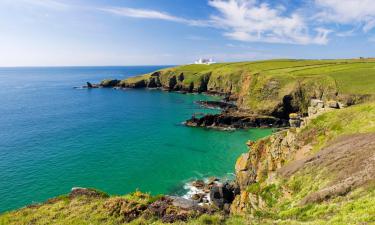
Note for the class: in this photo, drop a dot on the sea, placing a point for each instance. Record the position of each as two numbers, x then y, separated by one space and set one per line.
54 137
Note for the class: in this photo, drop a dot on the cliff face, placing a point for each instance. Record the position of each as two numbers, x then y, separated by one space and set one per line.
274 88
297 174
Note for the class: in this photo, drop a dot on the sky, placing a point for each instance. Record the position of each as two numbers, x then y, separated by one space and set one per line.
172 32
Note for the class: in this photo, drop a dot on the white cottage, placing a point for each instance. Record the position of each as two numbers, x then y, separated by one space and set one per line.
204 61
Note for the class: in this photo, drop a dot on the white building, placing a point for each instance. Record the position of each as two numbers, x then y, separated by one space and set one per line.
204 61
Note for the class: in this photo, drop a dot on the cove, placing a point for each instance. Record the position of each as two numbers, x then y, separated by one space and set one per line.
54 137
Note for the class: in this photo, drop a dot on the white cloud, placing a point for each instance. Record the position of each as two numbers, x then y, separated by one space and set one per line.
142 13
49 4
249 20
245 20
151 14
348 12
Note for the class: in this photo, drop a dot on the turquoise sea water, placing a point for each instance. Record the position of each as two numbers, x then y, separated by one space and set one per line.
54 137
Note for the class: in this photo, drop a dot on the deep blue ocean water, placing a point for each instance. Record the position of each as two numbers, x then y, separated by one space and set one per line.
54 137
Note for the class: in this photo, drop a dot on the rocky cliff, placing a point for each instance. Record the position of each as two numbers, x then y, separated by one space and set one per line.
295 173
273 88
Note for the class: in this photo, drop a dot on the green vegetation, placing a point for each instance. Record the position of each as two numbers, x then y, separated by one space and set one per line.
261 86
330 125
358 207
284 197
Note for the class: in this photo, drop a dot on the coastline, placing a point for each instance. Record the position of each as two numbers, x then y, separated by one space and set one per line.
289 176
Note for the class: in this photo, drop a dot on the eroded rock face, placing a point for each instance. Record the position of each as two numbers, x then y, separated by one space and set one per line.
269 154
265 155
263 159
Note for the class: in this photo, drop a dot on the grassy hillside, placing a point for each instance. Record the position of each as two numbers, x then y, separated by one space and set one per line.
271 87
332 183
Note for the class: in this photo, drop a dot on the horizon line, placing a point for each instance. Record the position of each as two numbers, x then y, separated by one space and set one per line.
239 61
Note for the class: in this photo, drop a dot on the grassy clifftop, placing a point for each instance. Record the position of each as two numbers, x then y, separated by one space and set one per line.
273 87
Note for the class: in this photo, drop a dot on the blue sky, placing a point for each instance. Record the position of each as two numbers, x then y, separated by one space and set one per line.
165 32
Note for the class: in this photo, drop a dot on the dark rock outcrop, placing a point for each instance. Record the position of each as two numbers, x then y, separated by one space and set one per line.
235 121
217 104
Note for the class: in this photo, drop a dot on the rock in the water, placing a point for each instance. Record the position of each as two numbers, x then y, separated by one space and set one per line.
89 85
235 120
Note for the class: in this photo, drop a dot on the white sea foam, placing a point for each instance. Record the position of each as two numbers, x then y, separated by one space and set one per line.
191 190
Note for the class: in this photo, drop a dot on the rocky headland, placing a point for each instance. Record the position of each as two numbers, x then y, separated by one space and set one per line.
254 94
